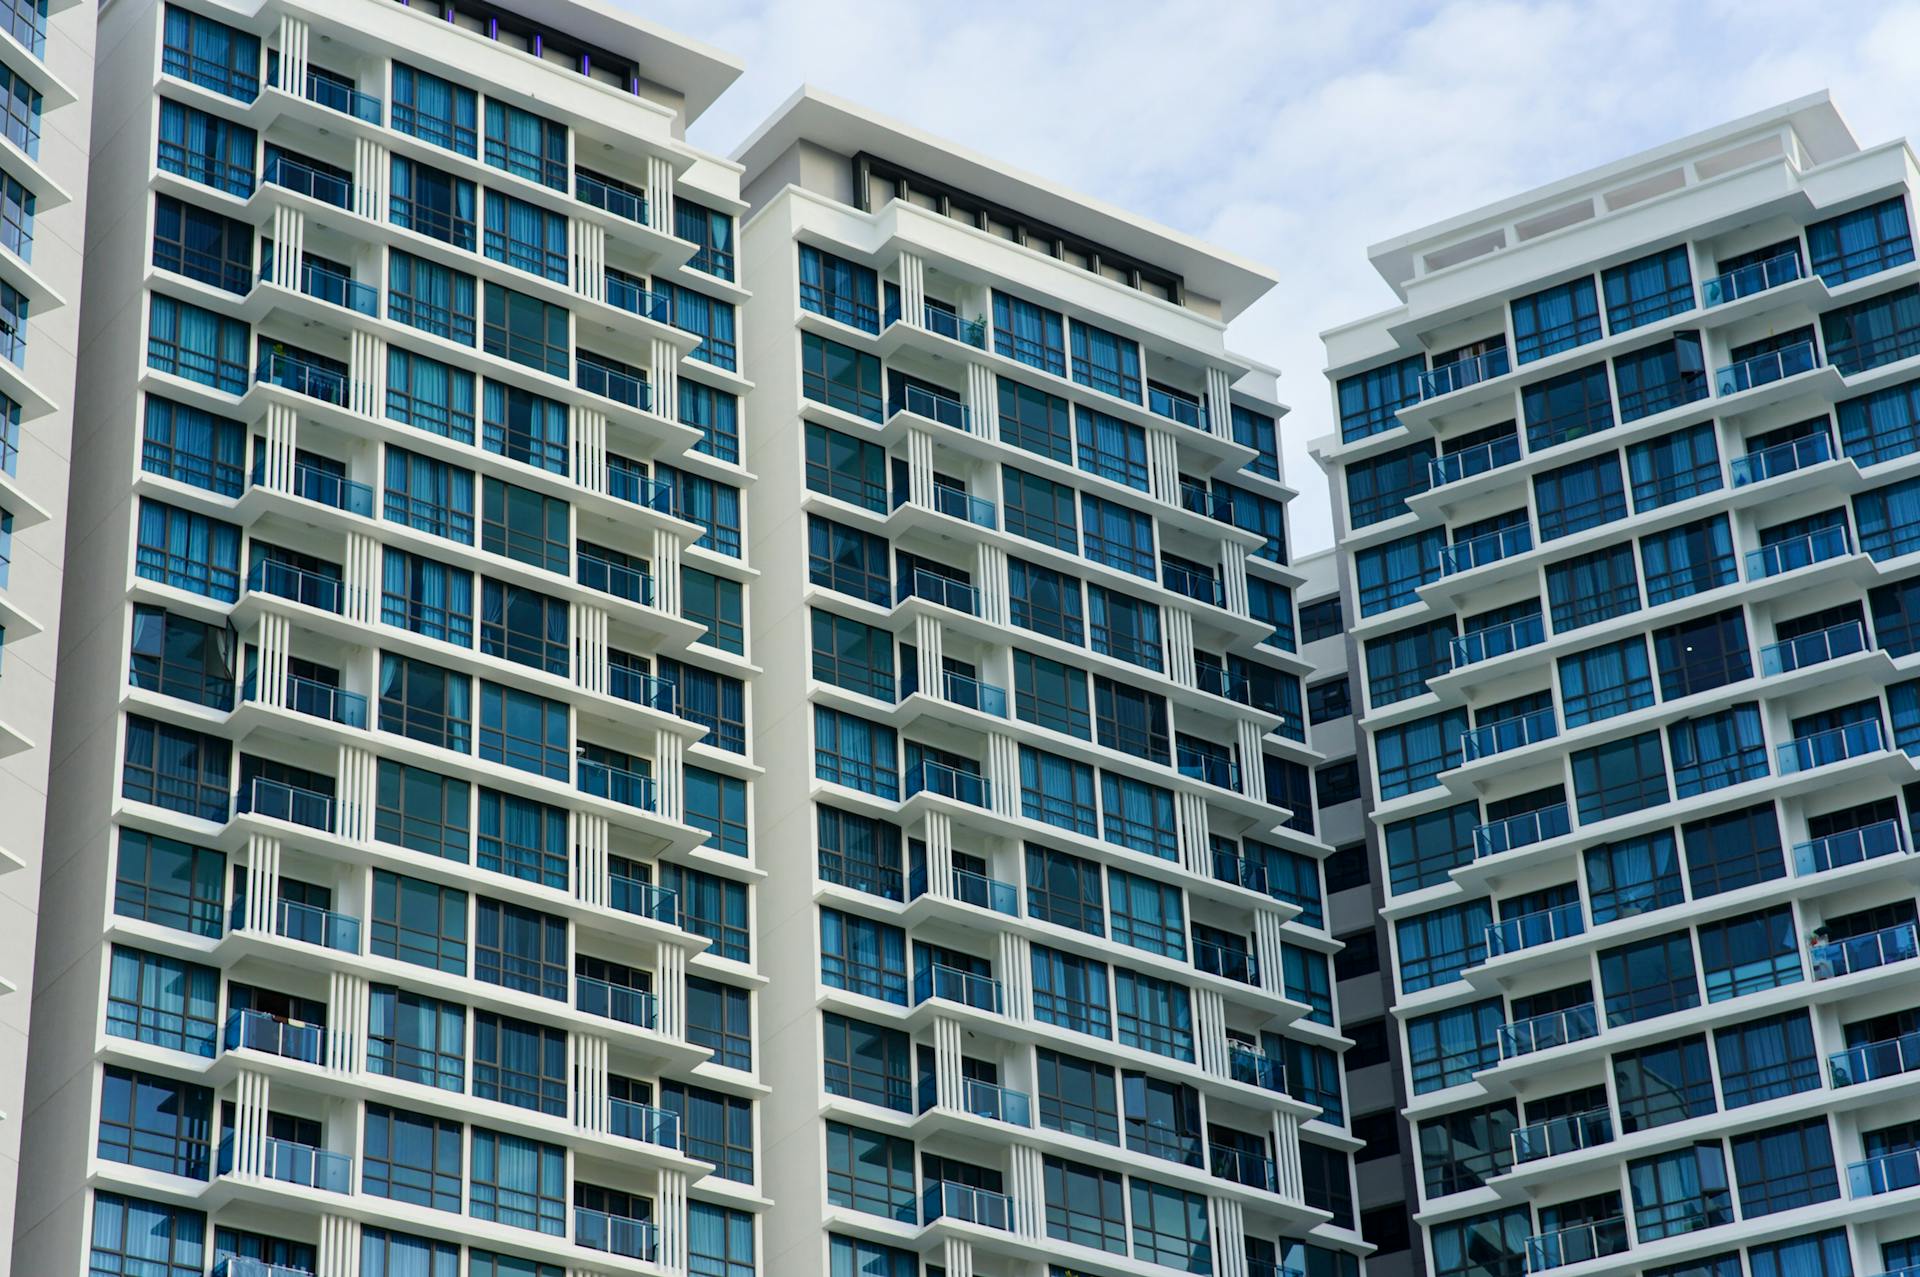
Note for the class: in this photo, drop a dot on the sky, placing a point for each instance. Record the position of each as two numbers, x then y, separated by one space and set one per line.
1298 134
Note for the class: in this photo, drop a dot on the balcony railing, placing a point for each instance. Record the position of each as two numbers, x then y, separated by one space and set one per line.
638 688
1837 745
283 580
242 1266
608 198
652 304
946 1200
258 1031
958 503
1871 1061
304 179
951 984
644 1123
948 782
294 1163
1240 871
1454 466
1216 679
639 489
303 377
947 323
1530 930
1888 1173
277 800
1255 1067
1487 548
1489 739
1849 847
1197 498
1748 280
615 1234
1560 1135
617 579
615 1002
1210 768
1194 584
1781 458
1576 1244
985 892
982 1099
1226 961
960 689
321 700
944 590
1188 412
611 383
644 899
1462 373
1241 1167
1760 370
1523 830
615 784
1836 958
322 487
343 98
1497 640
1816 648
1547 1030
922 402
322 284
1797 552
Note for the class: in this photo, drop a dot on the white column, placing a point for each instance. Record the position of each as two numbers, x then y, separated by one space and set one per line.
367 374
362 575
346 1011
592 876
357 793
660 195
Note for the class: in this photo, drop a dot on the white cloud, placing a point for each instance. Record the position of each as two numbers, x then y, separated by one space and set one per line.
1298 134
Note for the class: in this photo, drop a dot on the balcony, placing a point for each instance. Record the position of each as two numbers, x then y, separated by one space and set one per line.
1530 930
1508 734
344 98
241 1266
945 1200
1497 640
283 580
1849 847
617 579
615 784
624 294
277 800
1782 458
1836 958
320 700
307 924
1463 556
1462 373
1797 552
1177 407
1560 1135
1215 680
945 591
643 899
615 1234
608 198
1454 466
615 1002
636 488
1209 768
1871 1061
1547 1030
947 323
972 693
299 1164
951 984
948 782
1760 370
1200 585
1748 280
258 1031
1888 1173
922 402
302 377
957 503
982 1099
612 383
304 179
636 687
1196 498
1238 1166
1255 1067
322 487
1240 871
983 892
330 286
643 1123
1226 961
1523 830
1816 648
1823 749
1576 1244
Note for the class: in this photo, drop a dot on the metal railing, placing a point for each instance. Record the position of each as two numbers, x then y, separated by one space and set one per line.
277 368
1462 373
1255 1067
1836 958
1546 1030
304 179
615 1234
1797 552
1210 768
1849 847
294 1163
1490 547
1888 1173
321 700
1497 640
922 402
278 800
283 580
972 332
615 784
617 579
1523 830
1781 458
1762 369
639 489
1871 1061
643 1122
972 693
615 1002
1576 1244
638 688
958 503
608 198
1559 1135
343 98
1188 412
1836 745
1816 648
1193 583
982 1099
1452 467
1757 277
945 591
1530 930
651 304
611 383
325 284
1489 739
986 892
944 1199
1241 1167
644 899
258 1031
1213 958
951 984
948 782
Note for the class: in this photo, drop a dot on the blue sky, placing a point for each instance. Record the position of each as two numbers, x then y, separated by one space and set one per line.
1299 134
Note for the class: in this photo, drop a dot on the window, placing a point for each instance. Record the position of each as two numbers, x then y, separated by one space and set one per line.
1050 694
1660 1084
1064 889
1077 1096
178 656
1028 333
172 883
519 948
1661 377
1592 588
524 626
1733 850
519 1063
1605 681
1619 777
210 54
1860 243
1369 400
1134 814
411 1157
1389 576
420 810
1446 1048
839 289
1328 702
1035 421
526 145
1312 1074
191 445
1822 1255
1716 750
428 395
713 907
716 603
1085 1205
416 1038
1039 509
426 703
1555 319
1749 953
1648 289
1880 426
1567 407
163 1001
714 701
172 767
430 297
1320 618
1399 664
188 551
1377 489
1872 333
1170 1227
137 1238
1679 1191
1125 627
1437 947
840 377
419 922
719 1241
524 731
1105 361
715 1128
1153 1014
1465 1150
848 750
1112 448
1632 877
526 237
426 199
1056 790
708 319
846 468
856 656
1421 850
867 1062
525 427
1410 757
1673 467
713 232
1688 559
714 506
526 330
524 525
434 110
1766 1059
1258 431
850 561
1784 1168
855 1257
720 1018
863 956
1576 497
859 852
429 496
1044 601
1702 653
1889 519
1649 978
871 1172
1130 720
1272 604
1118 537
1070 991
519 1182
202 245
206 149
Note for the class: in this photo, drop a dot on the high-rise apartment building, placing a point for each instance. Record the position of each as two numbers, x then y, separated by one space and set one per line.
399 878
1626 493
1049 971
46 101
